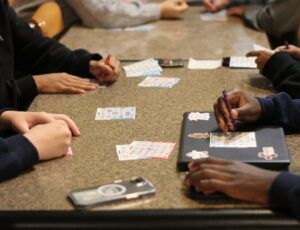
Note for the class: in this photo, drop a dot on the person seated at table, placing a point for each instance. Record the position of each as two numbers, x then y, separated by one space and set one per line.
278 18
42 136
282 68
242 181
32 64
124 13
109 13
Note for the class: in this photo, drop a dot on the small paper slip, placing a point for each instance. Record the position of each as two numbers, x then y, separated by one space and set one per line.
148 67
159 82
115 113
204 64
143 28
122 153
233 140
219 16
242 62
150 149
258 47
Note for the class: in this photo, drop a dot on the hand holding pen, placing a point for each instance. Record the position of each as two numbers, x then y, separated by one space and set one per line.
106 70
291 49
236 105
230 120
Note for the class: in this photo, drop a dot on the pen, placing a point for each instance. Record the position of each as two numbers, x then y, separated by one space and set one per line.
230 120
286 44
107 60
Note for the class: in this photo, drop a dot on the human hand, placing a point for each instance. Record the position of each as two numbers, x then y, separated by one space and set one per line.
62 83
263 57
236 11
22 122
216 5
292 50
235 179
106 71
51 140
173 8
244 108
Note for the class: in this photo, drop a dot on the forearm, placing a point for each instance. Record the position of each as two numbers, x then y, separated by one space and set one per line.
17 154
115 13
280 109
36 54
284 72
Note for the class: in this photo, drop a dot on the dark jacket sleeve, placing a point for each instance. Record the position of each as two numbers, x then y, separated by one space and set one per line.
284 72
285 191
280 109
276 18
16 155
36 54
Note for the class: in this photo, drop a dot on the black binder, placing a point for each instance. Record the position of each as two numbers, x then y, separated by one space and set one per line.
266 137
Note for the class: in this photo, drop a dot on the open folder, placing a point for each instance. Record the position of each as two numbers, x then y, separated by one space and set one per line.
262 146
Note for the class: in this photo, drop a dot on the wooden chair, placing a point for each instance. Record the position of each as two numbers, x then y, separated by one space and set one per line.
48 19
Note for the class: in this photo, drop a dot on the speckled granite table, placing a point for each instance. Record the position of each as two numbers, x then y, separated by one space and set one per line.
158 117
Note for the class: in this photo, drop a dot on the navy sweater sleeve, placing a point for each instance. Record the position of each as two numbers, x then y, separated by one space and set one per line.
36 54
285 191
284 72
280 109
16 155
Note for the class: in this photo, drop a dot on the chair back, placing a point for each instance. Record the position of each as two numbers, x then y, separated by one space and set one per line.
48 19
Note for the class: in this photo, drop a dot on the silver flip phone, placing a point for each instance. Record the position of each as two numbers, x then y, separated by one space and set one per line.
118 190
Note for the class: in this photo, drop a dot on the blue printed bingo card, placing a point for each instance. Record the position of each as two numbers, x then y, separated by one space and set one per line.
115 113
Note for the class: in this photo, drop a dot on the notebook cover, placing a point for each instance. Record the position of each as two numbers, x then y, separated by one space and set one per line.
266 136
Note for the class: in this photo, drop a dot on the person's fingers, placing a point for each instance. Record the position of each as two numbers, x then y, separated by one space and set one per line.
208 5
22 127
254 53
280 48
72 90
217 167
212 184
73 77
222 107
221 120
115 65
83 86
71 124
105 74
209 160
80 81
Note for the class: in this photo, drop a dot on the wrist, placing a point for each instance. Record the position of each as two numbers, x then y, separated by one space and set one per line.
37 81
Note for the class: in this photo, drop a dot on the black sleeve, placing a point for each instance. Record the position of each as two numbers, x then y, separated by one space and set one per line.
16 155
280 109
285 191
284 72
36 54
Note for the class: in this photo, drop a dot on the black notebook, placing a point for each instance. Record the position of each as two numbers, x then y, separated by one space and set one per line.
262 146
